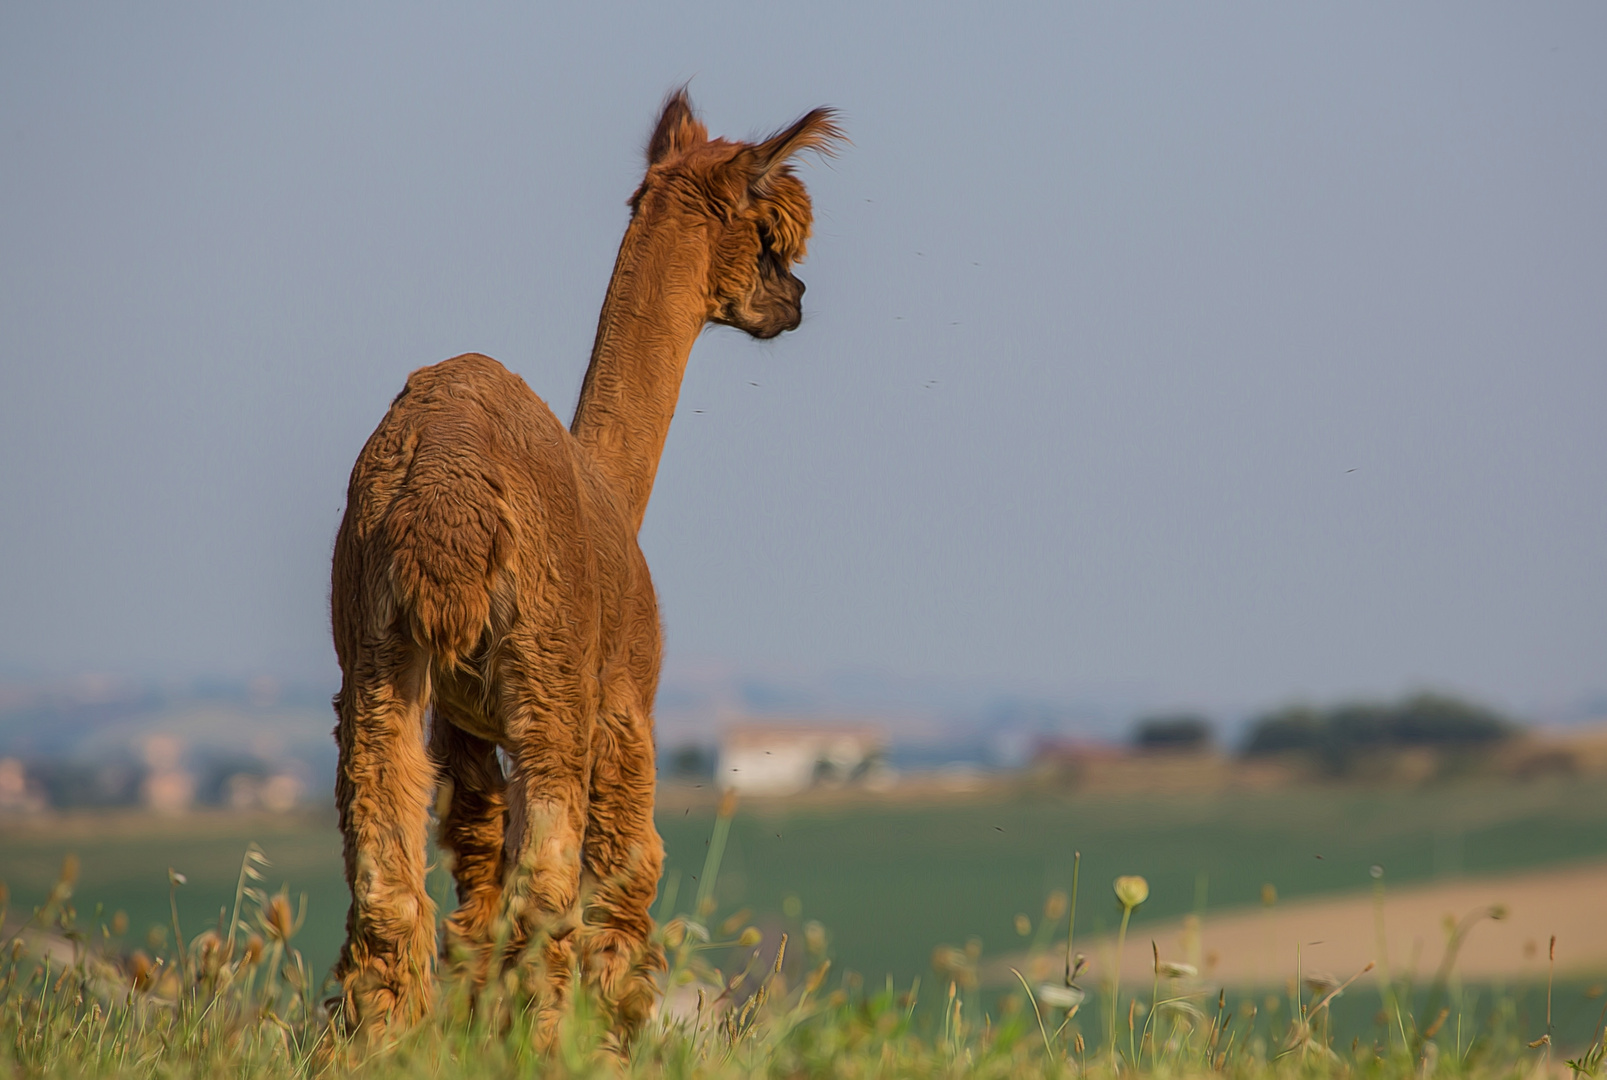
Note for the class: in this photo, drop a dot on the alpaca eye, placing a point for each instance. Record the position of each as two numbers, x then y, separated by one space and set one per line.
770 251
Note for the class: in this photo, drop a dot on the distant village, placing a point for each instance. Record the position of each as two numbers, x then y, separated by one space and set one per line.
253 748
101 743
1418 740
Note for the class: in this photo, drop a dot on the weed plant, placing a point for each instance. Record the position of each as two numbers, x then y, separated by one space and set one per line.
236 999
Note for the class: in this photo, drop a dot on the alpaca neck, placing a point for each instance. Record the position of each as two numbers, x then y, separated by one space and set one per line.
653 313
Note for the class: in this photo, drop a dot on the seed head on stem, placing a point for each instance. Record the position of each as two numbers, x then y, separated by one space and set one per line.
1131 891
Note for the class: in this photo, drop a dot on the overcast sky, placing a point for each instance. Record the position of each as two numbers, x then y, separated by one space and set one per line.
1214 354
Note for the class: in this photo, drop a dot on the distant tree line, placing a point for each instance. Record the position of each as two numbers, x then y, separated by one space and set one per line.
1180 732
1337 735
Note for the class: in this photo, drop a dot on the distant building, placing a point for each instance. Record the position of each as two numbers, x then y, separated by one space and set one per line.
168 788
1106 767
17 796
1075 756
277 793
777 759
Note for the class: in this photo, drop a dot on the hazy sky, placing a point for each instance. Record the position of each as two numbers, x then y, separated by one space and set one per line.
1215 353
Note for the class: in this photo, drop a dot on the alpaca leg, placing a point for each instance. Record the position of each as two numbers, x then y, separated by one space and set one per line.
383 790
545 825
623 859
472 832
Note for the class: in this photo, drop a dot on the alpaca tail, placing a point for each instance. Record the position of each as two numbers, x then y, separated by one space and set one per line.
449 542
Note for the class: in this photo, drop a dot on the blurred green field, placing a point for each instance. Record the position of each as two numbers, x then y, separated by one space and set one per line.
891 880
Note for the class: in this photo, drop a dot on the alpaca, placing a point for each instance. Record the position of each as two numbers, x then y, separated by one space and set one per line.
487 575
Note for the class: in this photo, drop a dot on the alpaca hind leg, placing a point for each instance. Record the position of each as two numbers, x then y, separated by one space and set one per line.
545 825
622 863
383 790
472 833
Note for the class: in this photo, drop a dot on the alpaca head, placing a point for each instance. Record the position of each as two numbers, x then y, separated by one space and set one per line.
743 202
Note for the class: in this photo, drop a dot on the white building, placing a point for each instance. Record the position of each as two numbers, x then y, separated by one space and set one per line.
16 794
168 788
766 759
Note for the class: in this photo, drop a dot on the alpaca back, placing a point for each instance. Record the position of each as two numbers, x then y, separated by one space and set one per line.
469 515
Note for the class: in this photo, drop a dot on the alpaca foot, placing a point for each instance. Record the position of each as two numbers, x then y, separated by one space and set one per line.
622 970
467 943
374 1000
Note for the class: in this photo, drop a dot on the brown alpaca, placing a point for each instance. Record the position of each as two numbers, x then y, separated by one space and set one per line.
487 572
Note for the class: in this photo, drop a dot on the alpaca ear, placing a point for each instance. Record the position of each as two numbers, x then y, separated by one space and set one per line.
678 129
816 130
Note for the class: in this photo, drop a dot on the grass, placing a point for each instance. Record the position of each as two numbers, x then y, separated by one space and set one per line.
893 880
125 858
889 881
238 999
